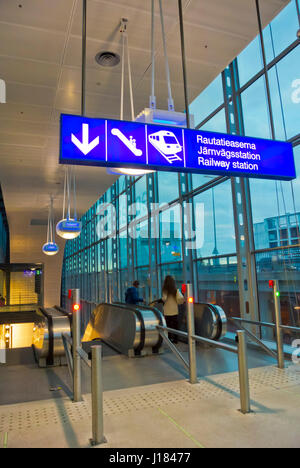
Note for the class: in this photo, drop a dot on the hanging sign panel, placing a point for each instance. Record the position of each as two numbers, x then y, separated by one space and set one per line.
114 143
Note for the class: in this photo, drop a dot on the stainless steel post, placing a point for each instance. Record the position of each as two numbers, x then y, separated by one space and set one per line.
191 333
83 58
76 344
243 373
183 59
266 73
97 397
279 339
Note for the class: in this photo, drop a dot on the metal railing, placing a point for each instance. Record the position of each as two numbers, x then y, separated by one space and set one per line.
74 355
190 365
240 350
279 356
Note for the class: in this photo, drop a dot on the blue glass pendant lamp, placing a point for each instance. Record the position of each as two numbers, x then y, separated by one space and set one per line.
50 248
69 227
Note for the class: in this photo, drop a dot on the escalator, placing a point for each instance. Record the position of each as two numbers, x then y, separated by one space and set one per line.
47 342
210 319
128 329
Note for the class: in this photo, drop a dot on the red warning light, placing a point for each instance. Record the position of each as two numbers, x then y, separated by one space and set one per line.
76 307
191 300
271 284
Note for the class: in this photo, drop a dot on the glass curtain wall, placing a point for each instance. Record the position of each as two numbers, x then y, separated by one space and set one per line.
137 230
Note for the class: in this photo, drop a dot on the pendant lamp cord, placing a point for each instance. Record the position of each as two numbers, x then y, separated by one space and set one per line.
74 195
125 44
122 79
68 193
51 220
70 175
50 223
70 180
48 228
65 184
130 81
153 97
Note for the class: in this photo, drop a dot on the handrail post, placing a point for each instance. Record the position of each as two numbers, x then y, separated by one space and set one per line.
243 372
76 344
279 339
191 333
97 397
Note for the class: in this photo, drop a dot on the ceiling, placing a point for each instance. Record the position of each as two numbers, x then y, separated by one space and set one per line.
40 60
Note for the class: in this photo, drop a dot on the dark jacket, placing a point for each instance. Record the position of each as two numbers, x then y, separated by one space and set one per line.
132 296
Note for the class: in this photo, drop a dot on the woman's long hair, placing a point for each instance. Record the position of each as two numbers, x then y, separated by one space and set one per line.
169 287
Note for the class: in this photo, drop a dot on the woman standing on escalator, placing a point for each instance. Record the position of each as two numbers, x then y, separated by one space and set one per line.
172 298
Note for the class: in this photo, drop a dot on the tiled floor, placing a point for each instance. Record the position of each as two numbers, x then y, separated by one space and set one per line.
171 414
26 382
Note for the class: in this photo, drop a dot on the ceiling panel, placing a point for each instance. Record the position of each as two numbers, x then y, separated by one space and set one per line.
21 139
170 6
103 23
28 71
204 44
24 112
99 80
31 43
230 17
30 128
140 59
30 95
37 13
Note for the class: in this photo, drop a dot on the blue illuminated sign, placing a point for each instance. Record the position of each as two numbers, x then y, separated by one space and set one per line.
114 143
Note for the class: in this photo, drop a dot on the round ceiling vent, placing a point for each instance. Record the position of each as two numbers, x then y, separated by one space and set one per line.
107 59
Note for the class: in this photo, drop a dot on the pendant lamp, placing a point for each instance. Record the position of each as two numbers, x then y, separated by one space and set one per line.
127 171
69 227
50 248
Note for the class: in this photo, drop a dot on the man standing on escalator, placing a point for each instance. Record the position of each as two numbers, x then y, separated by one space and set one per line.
132 294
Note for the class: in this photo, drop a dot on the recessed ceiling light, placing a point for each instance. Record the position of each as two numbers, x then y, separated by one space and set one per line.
107 59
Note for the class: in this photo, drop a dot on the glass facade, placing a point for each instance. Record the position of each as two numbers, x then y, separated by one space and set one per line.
139 229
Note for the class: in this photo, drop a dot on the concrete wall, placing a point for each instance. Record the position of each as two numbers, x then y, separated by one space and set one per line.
26 243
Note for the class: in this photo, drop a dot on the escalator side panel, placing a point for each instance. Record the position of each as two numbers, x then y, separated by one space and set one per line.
210 320
222 322
47 341
118 327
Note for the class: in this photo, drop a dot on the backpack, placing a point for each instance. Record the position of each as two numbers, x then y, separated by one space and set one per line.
128 295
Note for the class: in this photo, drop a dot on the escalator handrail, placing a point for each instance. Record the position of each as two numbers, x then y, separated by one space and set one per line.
160 317
139 316
50 357
63 311
221 318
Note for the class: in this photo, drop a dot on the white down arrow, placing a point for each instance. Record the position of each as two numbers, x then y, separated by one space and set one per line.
84 145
